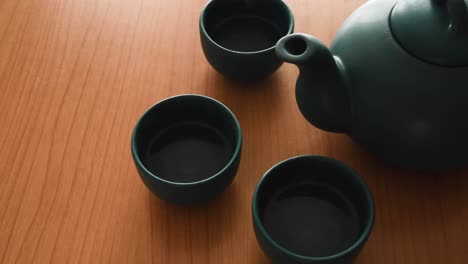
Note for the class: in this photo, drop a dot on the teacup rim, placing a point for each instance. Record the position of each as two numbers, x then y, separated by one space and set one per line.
348 251
228 165
203 29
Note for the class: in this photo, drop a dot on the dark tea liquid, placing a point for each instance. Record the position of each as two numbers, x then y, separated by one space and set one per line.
311 220
246 33
188 152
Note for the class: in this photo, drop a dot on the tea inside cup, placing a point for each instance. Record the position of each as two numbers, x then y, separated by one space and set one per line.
187 148
246 26
238 37
312 208
187 151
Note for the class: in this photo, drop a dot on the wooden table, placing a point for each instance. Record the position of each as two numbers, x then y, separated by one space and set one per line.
75 75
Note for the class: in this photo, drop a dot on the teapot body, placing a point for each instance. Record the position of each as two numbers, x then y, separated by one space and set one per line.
410 112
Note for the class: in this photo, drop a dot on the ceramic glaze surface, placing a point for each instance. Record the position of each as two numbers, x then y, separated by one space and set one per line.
187 148
434 31
312 209
408 111
238 37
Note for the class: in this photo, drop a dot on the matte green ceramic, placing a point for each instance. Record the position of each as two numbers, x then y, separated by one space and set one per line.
187 148
395 79
304 171
238 37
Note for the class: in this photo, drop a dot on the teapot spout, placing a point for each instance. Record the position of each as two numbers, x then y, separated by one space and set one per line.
321 92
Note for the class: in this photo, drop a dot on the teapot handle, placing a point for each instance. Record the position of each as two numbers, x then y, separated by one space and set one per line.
458 13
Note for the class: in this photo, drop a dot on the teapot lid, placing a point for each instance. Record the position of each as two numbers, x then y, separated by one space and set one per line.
435 31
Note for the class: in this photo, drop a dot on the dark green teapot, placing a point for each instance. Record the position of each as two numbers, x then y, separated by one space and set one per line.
395 79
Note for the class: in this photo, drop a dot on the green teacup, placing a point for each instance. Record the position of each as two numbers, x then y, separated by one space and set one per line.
312 209
238 37
187 148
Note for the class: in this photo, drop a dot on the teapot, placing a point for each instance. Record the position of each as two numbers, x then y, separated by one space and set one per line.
395 79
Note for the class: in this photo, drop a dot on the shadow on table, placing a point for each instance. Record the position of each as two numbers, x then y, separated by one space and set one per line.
196 232
246 99
412 207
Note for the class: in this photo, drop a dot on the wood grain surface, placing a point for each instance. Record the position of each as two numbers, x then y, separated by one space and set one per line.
75 75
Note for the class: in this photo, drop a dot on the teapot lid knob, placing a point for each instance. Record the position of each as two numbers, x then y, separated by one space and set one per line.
435 31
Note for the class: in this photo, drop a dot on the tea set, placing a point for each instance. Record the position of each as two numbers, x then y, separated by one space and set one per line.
394 79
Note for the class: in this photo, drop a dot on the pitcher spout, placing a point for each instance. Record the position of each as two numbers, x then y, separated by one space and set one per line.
321 92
